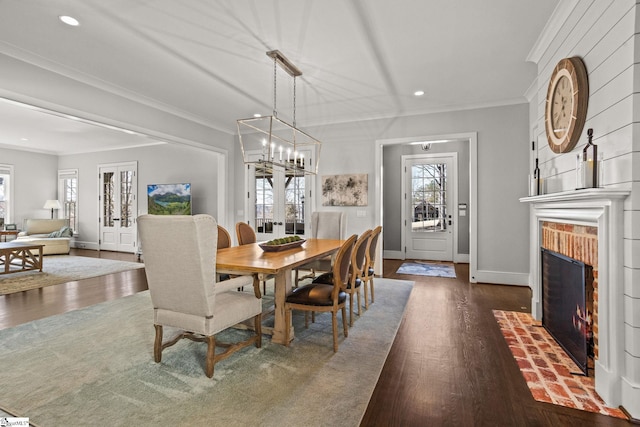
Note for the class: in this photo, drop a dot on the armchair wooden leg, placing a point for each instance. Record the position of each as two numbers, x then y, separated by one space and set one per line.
211 355
372 292
359 308
157 345
351 310
366 295
257 322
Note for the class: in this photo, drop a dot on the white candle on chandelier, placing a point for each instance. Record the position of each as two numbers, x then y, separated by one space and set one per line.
302 159
273 149
280 153
288 155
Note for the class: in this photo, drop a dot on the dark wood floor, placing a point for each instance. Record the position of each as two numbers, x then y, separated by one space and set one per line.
448 366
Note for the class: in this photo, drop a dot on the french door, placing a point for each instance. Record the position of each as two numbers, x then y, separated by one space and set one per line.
429 187
276 199
118 207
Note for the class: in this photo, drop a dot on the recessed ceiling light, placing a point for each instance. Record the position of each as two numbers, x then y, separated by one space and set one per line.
418 93
257 115
24 139
69 20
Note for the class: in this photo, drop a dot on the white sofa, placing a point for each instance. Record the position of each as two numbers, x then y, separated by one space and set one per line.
37 231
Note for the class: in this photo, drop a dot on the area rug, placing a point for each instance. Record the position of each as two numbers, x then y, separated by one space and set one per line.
95 366
58 269
427 269
547 369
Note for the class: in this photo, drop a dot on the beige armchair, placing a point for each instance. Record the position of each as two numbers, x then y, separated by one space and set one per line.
180 263
324 225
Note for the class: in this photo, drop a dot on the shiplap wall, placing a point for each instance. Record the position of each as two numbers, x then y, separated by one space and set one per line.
604 34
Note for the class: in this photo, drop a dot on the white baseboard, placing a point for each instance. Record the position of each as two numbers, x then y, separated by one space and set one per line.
502 278
393 254
84 245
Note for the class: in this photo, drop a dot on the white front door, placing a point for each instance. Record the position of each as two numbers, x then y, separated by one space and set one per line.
429 185
118 207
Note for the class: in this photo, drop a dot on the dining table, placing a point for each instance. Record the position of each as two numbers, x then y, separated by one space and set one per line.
252 259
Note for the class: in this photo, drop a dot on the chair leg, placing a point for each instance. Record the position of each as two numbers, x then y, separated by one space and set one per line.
334 324
344 321
351 310
358 297
264 287
211 355
157 345
365 285
372 292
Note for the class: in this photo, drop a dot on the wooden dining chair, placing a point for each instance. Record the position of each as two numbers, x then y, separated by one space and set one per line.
323 297
224 241
369 271
358 264
246 236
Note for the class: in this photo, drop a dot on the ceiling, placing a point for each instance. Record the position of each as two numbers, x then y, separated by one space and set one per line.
206 62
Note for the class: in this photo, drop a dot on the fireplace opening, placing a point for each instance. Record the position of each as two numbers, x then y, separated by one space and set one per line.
567 305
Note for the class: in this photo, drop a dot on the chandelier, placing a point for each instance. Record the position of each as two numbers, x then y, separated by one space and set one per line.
269 141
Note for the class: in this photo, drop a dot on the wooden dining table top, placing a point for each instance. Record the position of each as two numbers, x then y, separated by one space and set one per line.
251 258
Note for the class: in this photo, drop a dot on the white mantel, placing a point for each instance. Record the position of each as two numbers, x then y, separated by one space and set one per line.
602 208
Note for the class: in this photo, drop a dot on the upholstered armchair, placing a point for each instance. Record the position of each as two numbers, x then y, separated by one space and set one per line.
324 225
180 264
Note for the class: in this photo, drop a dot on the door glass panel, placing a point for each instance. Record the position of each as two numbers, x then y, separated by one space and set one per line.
294 203
264 199
70 200
126 198
108 199
428 197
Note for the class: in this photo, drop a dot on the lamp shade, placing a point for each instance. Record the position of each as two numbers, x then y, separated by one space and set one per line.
52 204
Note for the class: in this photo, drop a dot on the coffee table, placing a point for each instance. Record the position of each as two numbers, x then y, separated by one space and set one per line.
19 257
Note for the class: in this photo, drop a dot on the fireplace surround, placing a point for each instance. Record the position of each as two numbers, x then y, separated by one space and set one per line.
603 209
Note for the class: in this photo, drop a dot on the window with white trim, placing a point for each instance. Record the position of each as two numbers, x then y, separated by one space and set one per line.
68 195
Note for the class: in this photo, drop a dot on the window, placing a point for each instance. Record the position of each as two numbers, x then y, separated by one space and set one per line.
68 194
428 197
6 187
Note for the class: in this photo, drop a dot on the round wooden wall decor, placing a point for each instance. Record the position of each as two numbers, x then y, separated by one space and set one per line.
566 106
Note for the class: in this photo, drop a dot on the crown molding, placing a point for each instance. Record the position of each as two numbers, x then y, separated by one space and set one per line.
556 21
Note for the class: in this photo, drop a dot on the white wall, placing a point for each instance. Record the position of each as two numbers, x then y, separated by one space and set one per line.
34 180
502 176
159 164
605 35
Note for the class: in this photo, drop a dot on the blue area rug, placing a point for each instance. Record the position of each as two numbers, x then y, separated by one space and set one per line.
427 269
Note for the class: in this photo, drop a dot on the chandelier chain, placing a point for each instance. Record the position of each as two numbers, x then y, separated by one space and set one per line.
294 101
275 83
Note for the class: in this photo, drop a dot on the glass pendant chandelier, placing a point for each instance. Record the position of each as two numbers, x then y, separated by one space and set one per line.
269 141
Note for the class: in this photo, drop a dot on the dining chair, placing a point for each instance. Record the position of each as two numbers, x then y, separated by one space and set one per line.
246 235
323 297
324 225
180 265
358 264
224 241
369 271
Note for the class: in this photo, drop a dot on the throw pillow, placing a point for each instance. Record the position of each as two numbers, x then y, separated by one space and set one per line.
63 232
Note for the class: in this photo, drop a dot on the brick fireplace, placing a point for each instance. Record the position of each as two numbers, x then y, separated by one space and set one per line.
588 225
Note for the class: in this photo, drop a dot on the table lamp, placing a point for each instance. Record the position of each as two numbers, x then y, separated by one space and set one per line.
52 204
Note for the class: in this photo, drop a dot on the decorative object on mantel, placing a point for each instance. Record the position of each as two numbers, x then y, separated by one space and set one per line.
588 165
278 142
566 106
535 187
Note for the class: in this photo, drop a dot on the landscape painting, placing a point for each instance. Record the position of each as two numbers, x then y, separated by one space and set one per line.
345 190
169 199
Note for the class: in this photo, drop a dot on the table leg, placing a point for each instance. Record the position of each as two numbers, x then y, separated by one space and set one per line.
283 287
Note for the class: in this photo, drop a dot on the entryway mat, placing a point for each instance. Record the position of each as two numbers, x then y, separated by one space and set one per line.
427 269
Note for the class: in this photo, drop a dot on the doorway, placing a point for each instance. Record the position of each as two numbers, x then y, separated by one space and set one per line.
118 207
276 199
429 188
